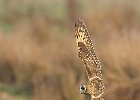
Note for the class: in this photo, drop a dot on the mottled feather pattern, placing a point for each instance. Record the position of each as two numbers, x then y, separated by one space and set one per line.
95 86
82 35
90 60
86 49
98 88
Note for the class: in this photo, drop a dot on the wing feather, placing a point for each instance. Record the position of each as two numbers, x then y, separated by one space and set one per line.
86 50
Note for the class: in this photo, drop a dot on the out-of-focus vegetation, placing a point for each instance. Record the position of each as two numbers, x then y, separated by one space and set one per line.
38 53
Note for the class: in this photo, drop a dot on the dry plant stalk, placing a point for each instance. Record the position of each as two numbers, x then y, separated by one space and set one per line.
94 87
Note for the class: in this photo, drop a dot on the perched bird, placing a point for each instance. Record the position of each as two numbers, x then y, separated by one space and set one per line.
94 87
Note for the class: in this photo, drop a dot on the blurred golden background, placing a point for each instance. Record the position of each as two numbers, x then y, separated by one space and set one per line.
38 52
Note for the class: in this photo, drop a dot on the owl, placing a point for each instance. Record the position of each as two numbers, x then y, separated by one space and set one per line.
94 87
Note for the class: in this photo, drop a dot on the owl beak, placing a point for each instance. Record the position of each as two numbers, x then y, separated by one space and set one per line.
82 88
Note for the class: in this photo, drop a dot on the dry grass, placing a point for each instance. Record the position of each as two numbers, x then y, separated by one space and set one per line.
39 57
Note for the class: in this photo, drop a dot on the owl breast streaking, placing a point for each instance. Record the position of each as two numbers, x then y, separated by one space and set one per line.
94 87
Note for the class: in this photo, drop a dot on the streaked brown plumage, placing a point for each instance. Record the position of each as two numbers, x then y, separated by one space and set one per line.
94 86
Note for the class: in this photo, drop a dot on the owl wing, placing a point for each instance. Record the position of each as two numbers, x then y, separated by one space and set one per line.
86 50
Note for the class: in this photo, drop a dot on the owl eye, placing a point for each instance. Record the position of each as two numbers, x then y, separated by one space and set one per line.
82 87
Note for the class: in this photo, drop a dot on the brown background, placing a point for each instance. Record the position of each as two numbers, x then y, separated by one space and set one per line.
38 52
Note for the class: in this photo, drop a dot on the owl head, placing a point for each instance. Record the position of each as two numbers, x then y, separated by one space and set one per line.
93 87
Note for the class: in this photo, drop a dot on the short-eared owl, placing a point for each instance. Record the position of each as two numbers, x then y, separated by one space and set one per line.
94 87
